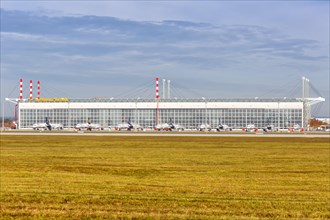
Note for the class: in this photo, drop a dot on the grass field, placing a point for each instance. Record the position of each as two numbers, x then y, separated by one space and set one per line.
81 177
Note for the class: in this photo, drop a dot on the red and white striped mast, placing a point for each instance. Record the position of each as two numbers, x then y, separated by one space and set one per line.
30 90
38 90
20 89
157 91
157 100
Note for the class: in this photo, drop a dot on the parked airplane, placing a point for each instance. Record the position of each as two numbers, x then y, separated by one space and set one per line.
204 127
47 126
162 126
169 126
327 128
250 128
269 128
14 125
128 126
295 127
222 127
88 126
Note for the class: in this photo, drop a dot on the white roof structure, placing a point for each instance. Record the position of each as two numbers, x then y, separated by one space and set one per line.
166 104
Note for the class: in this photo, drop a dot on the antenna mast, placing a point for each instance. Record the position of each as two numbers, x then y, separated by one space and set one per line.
157 100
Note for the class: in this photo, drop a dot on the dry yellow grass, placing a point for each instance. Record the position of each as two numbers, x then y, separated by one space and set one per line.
63 177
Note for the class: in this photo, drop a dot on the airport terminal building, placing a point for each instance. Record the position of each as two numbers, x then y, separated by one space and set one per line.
282 113
190 113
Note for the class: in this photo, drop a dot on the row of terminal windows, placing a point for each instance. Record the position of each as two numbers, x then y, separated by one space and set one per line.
189 118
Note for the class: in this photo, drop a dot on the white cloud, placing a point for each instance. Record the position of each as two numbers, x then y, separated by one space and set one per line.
230 59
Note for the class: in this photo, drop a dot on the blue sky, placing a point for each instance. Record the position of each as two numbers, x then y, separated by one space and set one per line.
213 49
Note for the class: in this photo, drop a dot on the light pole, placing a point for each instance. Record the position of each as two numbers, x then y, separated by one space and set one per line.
206 118
278 114
136 111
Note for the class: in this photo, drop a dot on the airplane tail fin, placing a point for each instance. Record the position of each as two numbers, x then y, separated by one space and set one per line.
47 121
49 127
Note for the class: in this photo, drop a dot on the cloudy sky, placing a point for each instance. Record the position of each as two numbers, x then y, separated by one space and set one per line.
214 49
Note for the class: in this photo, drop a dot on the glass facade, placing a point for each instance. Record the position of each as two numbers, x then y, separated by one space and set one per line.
189 118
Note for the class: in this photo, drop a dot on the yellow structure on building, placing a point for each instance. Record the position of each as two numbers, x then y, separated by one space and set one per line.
52 100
